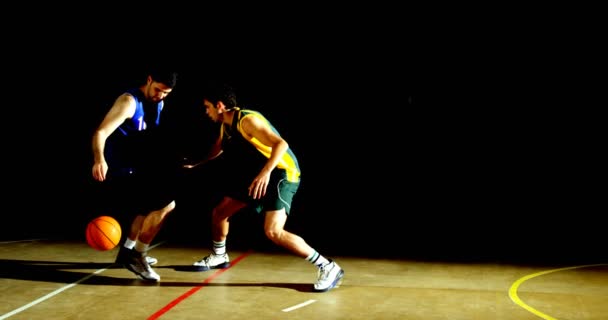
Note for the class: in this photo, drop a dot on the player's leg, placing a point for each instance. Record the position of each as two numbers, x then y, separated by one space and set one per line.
277 204
220 215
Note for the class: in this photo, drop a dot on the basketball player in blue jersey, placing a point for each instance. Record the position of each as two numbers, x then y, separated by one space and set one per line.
126 156
260 170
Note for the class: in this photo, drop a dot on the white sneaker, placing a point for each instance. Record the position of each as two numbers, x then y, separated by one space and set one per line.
138 264
212 261
151 260
329 277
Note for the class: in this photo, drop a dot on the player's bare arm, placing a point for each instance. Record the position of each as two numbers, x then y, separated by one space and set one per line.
256 128
122 109
215 152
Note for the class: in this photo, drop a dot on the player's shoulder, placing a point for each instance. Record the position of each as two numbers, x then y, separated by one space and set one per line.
126 97
251 115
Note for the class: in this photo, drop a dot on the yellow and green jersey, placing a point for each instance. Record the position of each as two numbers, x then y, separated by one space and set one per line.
249 151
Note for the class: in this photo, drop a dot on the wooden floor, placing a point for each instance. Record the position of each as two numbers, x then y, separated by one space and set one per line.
52 279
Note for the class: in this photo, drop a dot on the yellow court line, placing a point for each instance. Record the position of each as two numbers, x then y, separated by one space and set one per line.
516 284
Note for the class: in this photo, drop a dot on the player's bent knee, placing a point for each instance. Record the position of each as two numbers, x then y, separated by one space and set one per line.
273 234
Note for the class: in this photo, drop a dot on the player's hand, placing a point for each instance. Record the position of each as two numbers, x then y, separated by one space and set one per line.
258 187
99 170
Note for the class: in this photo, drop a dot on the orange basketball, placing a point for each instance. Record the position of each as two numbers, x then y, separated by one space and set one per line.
103 233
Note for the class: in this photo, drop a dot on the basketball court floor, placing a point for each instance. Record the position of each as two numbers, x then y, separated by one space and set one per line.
54 279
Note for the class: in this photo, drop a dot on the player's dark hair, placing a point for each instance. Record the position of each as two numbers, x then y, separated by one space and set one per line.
224 92
165 76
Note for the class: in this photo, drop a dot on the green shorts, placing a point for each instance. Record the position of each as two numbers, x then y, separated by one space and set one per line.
279 193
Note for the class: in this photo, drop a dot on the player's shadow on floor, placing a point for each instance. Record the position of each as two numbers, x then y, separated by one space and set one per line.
71 272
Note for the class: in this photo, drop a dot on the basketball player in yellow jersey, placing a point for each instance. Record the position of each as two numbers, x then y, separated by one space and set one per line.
260 170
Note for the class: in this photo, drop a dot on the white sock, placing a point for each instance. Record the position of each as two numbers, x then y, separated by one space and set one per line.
129 244
317 259
219 247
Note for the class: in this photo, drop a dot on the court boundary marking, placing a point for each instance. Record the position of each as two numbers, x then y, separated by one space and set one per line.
55 292
513 289
190 292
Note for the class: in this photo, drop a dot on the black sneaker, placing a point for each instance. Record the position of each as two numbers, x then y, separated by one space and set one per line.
123 255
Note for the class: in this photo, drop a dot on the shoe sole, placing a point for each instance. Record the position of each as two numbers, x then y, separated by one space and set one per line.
139 275
219 266
334 284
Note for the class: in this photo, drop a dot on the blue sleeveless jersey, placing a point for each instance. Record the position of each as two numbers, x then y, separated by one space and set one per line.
146 115
132 144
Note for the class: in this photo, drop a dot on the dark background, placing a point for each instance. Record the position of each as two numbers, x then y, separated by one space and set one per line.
409 145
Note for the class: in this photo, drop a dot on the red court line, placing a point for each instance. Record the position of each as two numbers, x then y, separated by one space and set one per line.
190 292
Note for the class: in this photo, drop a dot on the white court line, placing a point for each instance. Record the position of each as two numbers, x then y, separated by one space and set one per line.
50 295
16 241
297 306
